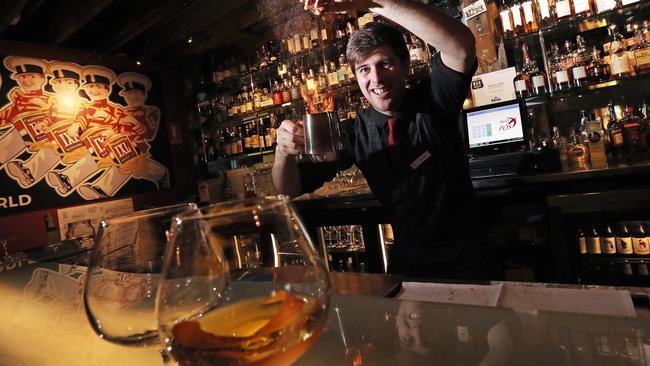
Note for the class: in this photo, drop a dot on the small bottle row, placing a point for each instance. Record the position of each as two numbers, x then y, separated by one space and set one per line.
626 239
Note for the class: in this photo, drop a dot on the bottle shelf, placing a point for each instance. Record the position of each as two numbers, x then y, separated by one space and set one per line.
583 24
579 90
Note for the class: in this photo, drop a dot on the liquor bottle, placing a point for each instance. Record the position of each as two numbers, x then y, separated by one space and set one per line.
286 91
538 77
523 85
615 131
582 242
597 143
277 93
306 41
564 9
640 240
618 57
640 52
581 128
332 77
605 5
347 69
598 69
594 246
531 15
297 42
506 19
581 63
631 126
291 45
517 19
321 80
560 143
273 51
314 35
546 12
339 27
350 22
578 153
624 240
644 137
562 68
583 8
295 87
608 241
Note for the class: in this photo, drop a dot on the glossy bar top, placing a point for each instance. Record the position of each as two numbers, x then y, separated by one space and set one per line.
42 322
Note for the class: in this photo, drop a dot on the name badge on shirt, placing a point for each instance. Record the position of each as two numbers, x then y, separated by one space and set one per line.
417 162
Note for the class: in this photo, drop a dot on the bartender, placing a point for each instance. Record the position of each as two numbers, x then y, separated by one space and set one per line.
407 144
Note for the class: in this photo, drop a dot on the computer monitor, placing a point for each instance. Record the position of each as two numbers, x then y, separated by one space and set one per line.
495 128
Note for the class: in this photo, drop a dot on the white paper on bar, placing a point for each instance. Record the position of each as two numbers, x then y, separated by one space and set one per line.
584 301
525 297
484 295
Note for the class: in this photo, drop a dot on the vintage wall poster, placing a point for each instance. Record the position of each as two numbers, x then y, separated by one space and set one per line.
71 133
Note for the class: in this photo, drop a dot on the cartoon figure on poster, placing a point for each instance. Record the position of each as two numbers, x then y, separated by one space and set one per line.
24 120
62 147
89 145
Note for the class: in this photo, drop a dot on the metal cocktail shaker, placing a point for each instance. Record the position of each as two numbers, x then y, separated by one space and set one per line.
322 136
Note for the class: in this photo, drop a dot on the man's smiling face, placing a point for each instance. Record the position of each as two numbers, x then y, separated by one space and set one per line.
382 79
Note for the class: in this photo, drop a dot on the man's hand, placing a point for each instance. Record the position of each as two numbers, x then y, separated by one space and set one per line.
328 6
290 138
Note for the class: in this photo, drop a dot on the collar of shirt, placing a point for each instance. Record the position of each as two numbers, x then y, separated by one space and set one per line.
404 113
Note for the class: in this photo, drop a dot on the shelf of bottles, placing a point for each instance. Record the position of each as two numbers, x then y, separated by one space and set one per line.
344 247
614 253
251 96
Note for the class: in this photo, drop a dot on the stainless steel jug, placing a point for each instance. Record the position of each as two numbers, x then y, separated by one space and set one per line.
323 141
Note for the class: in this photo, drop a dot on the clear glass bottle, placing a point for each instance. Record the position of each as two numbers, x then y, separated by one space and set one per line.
563 67
582 59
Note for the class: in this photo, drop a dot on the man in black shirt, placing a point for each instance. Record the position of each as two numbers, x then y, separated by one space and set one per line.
407 144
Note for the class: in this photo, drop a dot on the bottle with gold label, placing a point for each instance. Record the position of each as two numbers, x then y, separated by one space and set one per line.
582 242
641 53
640 240
624 240
594 246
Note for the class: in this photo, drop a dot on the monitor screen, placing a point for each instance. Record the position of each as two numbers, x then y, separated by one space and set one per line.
494 126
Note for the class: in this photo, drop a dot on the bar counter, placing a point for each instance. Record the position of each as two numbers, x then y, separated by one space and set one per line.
43 323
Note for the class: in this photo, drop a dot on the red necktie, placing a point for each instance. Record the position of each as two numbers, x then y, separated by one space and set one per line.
393 141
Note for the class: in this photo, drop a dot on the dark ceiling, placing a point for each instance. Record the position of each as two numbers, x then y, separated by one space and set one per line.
145 28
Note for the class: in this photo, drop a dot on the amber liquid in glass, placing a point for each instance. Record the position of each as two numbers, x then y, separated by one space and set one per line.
262 331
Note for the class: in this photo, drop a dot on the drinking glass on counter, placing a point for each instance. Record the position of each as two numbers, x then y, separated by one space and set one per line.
124 271
241 284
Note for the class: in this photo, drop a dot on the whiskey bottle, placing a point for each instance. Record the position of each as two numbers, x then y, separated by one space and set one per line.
314 35
631 126
506 20
641 53
615 131
581 62
297 42
538 77
624 240
332 77
594 246
564 10
578 153
598 69
517 19
531 15
562 76
583 8
582 242
608 241
597 143
605 5
618 57
522 80
547 15
640 240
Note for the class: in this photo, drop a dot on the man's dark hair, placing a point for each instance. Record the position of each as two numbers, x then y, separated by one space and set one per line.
374 35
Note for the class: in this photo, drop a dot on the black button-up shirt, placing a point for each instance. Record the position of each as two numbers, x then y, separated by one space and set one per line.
429 192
